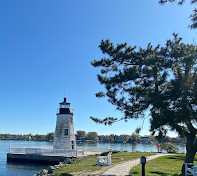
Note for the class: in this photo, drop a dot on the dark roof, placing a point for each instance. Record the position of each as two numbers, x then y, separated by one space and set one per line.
64 102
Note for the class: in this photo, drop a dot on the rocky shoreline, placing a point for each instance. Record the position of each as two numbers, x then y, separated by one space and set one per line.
51 169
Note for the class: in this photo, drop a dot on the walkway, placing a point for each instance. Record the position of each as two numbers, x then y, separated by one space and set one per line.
124 168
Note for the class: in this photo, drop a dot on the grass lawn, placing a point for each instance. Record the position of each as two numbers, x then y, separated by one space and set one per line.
88 164
164 166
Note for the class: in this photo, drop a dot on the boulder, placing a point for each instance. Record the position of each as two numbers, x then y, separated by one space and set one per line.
67 161
51 169
61 164
44 172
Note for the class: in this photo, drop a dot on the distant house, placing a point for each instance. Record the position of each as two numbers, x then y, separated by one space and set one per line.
96 139
104 138
145 140
178 140
28 138
81 139
119 139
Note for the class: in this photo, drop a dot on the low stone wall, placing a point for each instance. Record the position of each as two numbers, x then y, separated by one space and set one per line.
35 158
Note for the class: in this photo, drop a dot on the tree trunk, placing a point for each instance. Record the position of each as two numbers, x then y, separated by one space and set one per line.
190 152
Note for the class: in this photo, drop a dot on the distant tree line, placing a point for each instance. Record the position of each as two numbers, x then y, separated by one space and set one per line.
86 136
93 136
36 137
133 138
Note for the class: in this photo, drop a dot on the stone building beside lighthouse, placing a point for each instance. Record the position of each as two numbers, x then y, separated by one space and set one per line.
64 132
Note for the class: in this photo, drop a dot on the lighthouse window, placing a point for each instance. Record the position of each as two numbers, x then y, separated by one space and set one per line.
72 142
66 132
64 106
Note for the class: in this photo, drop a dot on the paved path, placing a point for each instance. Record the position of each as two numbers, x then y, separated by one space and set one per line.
124 168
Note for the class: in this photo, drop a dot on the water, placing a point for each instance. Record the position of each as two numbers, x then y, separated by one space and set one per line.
25 169
19 169
101 147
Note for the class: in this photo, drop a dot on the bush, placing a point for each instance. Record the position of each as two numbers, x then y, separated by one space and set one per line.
104 153
113 151
169 147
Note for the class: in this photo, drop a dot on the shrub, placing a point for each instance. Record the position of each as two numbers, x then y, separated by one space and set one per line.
169 147
104 153
113 151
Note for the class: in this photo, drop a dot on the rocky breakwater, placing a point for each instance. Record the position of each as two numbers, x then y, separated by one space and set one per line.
51 169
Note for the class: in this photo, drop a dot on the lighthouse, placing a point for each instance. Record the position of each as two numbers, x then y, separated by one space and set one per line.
64 132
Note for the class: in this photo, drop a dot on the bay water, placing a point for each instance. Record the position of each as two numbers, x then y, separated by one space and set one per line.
27 169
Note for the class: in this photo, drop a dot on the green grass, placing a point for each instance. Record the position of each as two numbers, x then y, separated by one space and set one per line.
164 166
88 164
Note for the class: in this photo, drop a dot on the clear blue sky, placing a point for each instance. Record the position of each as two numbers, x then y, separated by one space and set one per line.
46 47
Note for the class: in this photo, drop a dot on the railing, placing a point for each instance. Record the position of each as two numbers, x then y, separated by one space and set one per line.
47 151
94 149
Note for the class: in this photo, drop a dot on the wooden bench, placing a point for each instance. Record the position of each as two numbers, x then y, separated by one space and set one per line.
190 169
104 160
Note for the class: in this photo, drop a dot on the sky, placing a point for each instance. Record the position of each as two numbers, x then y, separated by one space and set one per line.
46 47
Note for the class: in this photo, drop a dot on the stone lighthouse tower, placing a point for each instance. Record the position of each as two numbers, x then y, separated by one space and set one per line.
64 133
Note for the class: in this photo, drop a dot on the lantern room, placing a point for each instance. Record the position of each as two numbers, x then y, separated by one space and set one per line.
65 108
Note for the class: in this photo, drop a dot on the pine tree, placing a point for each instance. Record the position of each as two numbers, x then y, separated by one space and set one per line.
161 80
193 16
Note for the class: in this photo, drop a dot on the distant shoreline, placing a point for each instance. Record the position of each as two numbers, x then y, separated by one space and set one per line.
26 140
92 141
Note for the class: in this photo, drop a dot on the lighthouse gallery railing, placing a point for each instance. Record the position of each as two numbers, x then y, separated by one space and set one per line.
46 151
